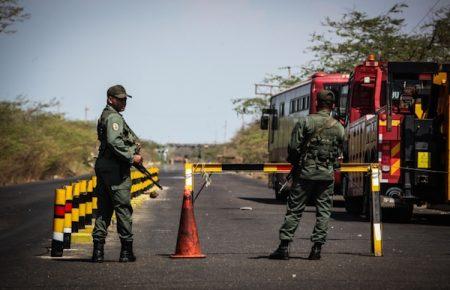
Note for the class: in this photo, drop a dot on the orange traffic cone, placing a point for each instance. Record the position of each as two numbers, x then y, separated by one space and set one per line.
188 244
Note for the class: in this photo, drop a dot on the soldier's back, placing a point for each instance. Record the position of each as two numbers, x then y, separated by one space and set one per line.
326 138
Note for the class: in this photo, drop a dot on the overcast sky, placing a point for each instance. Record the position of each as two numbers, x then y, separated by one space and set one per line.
182 61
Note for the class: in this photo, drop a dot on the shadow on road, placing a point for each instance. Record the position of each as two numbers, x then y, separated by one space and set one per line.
267 258
305 258
352 254
346 217
264 200
418 219
431 219
82 260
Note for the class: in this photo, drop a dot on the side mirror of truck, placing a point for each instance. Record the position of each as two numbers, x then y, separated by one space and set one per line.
275 122
264 123
265 119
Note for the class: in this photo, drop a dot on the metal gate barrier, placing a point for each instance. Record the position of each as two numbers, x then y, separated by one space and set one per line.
188 245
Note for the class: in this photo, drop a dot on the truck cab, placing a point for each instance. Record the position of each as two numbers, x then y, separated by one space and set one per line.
393 118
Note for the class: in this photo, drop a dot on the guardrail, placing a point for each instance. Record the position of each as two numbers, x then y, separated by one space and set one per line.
75 208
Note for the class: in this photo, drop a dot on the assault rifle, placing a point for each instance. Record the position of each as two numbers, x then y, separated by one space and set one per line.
144 170
288 178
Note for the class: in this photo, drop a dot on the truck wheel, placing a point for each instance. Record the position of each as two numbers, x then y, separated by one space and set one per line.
353 204
367 196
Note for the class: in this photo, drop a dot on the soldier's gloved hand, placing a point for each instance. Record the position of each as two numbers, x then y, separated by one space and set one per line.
137 159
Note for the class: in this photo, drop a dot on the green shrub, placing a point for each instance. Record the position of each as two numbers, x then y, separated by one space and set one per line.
37 144
250 144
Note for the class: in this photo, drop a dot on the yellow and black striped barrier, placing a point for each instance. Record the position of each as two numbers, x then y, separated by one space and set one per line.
221 167
94 197
68 216
82 205
58 223
372 168
89 194
75 207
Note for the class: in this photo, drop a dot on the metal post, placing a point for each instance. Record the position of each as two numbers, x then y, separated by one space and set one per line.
375 211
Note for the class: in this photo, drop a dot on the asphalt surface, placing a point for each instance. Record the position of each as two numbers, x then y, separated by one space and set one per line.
238 221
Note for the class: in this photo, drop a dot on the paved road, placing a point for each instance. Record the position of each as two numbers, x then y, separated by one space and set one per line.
236 242
26 217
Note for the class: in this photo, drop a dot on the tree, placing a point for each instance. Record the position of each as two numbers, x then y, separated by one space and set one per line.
250 106
435 40
354 36
11 12
359 35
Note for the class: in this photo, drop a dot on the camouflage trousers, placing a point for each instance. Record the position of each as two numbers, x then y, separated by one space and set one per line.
320 193
113 196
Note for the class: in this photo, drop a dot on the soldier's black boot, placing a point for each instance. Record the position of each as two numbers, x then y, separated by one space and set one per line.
98 252
126 252
282 252
315 252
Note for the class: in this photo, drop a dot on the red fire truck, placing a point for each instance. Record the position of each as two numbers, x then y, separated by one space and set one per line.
285 109
396 114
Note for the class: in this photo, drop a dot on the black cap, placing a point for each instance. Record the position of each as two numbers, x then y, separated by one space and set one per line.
325 96
117 91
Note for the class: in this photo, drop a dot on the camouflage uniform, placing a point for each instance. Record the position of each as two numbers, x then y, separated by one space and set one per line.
313 178
117 147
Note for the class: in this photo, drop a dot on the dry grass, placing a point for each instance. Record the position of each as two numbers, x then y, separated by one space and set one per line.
38 144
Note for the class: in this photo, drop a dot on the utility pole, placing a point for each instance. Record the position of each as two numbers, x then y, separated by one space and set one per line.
288 69
225 133
267 90
86 109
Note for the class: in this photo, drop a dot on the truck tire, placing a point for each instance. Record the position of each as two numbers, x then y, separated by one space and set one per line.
353 204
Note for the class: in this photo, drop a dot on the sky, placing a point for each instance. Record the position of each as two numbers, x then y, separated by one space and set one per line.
182 61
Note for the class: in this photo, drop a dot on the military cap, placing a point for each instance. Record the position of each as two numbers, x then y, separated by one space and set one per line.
325 96
117 91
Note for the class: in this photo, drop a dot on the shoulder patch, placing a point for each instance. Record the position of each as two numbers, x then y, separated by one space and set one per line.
115 126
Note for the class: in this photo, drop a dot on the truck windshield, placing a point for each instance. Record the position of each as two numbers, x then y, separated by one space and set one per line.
363 98
335 88
409 90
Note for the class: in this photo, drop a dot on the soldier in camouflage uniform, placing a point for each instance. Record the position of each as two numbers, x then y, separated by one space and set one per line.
314 148
118 151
